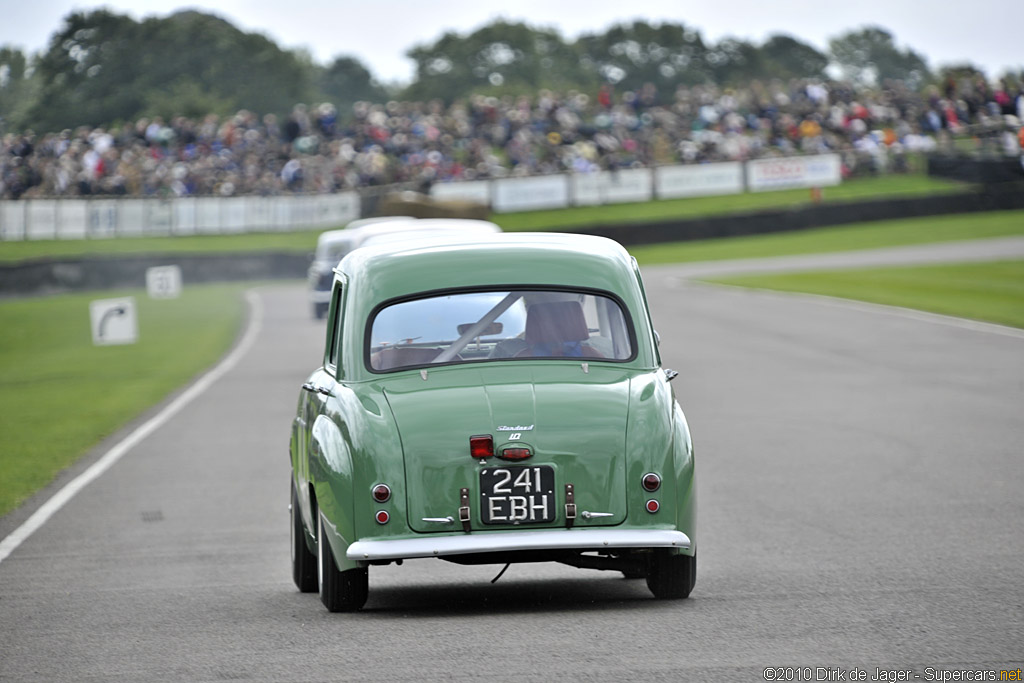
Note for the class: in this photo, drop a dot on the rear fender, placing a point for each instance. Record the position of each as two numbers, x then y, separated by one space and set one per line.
658 441
330 464
685 478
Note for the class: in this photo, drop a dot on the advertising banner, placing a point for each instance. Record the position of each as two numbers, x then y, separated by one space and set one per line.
779 174
131 217
72 219
184 215
612 187
42 220
698 180
208 215
12 220
527 194
233 218
102 218
478 191
159 217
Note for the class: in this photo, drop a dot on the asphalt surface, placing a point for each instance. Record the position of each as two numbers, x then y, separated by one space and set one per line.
860 484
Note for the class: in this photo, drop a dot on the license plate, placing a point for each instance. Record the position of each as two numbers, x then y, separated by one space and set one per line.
517 495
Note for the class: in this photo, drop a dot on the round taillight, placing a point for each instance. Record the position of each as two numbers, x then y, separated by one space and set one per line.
653 506
381 493
651 482
382 517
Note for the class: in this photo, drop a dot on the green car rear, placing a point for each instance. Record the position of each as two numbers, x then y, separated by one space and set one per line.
490 400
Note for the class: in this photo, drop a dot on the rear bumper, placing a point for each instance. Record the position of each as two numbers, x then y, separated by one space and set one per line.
552 539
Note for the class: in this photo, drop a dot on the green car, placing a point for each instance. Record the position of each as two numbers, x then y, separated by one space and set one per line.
488 400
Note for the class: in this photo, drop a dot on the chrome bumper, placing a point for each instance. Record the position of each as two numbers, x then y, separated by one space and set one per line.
492 542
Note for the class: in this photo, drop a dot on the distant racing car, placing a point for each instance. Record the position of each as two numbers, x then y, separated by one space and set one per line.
332 245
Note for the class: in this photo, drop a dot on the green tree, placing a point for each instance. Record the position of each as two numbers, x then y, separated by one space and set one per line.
735 62
870 55
498 55
103 67
346 81
630 55
786 57
17 88
89 55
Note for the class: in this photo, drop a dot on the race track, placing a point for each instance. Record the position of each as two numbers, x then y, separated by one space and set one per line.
860 482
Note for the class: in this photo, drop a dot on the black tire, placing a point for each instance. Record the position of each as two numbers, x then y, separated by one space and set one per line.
303 561
671 577
340 591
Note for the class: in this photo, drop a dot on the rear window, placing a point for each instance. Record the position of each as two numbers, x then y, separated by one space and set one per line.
504 325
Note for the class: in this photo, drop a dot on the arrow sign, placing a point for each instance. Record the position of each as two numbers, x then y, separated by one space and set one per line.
113 321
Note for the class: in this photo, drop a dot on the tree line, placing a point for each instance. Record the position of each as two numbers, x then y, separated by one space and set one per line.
101 67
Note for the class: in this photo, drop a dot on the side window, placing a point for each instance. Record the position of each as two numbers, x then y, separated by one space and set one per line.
334 320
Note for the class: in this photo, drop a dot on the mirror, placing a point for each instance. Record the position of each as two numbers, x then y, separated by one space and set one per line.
491 330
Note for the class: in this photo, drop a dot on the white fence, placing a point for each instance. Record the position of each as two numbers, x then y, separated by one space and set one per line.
47 219
640 185
39 219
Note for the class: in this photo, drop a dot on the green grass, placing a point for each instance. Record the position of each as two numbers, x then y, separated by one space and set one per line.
864 188
891 186
60 395
304 241
993 292
871 235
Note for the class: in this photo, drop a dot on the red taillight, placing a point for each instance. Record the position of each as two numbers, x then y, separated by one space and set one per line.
381 493
515 453
651 482
653 506
382 517
481 446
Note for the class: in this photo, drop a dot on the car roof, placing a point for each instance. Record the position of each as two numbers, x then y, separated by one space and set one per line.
453 260
375 275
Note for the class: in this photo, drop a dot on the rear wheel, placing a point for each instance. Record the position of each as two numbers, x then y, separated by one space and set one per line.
340 591
303 561
671 577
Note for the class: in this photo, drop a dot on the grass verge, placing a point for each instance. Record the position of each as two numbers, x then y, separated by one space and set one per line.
992 292
305 241
60 395
872 235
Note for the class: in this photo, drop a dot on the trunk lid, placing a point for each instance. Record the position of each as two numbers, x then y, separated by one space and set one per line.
573 421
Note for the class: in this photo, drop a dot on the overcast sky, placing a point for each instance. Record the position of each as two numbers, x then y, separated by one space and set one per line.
988 33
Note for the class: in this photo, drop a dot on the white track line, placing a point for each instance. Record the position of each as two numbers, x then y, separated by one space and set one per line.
61 498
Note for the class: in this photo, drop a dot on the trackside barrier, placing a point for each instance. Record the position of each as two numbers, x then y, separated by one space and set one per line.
69 219
644 184
40 219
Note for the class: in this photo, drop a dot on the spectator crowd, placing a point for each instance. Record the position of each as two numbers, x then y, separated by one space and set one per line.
316 150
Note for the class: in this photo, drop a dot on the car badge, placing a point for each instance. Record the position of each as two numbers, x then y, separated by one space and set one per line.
517 431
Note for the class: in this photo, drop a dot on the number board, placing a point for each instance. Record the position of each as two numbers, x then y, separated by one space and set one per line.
517 495
163 282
